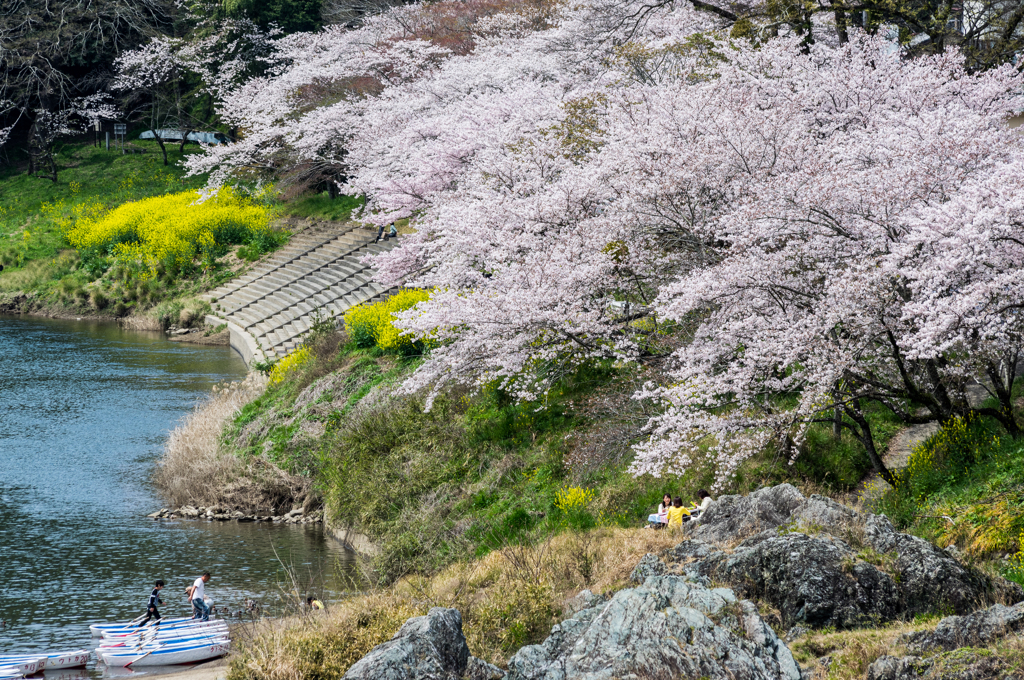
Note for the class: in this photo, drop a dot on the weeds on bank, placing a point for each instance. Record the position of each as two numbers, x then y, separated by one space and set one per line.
964 487
507 599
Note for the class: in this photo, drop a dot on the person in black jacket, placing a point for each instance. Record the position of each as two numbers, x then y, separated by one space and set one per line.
154 599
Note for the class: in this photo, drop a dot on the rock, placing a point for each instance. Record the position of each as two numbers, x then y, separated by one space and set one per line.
477 669
820 514
795 633
669 627
977 629
813 581
430 647
962 664
649 565
182 331
894 668
930 579
823 564
582 600
733 518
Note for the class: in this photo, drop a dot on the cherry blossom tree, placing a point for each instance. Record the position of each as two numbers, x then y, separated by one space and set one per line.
815 226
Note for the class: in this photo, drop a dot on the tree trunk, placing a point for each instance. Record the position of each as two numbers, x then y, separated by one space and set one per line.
184 140
163 149
865 438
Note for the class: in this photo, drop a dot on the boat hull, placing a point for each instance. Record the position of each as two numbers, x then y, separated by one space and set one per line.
75 659
169 656
97 629
24 664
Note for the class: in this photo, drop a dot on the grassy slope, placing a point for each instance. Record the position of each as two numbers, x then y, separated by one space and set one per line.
464 503
478 472
87 175
38 262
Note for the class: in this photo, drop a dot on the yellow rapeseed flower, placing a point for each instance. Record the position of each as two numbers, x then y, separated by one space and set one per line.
376 321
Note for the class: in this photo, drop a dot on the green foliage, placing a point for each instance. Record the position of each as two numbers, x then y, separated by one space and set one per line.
321 206
291 16
372 324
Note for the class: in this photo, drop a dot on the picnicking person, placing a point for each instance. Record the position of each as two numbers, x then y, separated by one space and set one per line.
705 502
659 519
152 613
392 232
314 604
677 513
197 594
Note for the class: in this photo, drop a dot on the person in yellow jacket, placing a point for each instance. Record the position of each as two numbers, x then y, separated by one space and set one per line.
677 513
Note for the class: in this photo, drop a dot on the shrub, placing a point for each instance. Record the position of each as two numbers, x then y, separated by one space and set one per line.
285 366
167 233
99 300
372 324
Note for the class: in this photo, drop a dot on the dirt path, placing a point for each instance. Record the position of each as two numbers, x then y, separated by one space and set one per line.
897 456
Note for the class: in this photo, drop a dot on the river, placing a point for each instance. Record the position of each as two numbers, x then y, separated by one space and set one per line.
84 411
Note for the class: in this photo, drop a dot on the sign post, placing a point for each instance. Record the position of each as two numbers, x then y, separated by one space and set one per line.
119 130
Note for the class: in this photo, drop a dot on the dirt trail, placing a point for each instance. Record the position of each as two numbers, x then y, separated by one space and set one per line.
897 456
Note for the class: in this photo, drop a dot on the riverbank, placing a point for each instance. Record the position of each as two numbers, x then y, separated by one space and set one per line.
805 588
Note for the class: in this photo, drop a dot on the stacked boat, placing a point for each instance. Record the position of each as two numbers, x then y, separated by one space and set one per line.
18 665
159 643
165 643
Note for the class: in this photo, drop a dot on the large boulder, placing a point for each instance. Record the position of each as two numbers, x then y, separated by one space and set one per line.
813 581
430 647
733 518
931 579
980 628
670 627
823 564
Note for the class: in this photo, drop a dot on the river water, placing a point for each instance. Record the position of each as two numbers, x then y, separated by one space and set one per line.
84 411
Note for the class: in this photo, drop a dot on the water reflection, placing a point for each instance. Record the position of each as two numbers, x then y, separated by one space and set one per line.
84 410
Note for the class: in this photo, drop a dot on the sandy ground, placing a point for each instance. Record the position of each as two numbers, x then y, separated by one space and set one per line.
211 670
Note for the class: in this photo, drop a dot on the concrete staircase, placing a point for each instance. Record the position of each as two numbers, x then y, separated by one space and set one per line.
271 307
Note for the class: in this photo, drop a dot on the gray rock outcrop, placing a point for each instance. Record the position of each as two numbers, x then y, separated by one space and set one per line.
670 627
979 628
813 581
430 647
823 564
963 664
930 578
648 566
733 518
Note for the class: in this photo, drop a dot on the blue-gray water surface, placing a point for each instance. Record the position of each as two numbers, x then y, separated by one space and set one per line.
85 409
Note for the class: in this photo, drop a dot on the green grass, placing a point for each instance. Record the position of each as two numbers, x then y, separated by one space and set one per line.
87 175
38 261
321 206
478 472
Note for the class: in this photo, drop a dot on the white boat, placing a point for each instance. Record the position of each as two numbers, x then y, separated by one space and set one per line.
98 628
26 664
168 655
151 642
74 659
10 673
175 631
163 624
164 638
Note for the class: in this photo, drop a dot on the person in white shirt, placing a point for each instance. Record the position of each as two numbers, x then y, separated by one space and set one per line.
705 503
197 593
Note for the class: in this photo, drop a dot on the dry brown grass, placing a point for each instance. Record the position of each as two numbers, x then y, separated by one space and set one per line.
508 599
197 470
852 651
